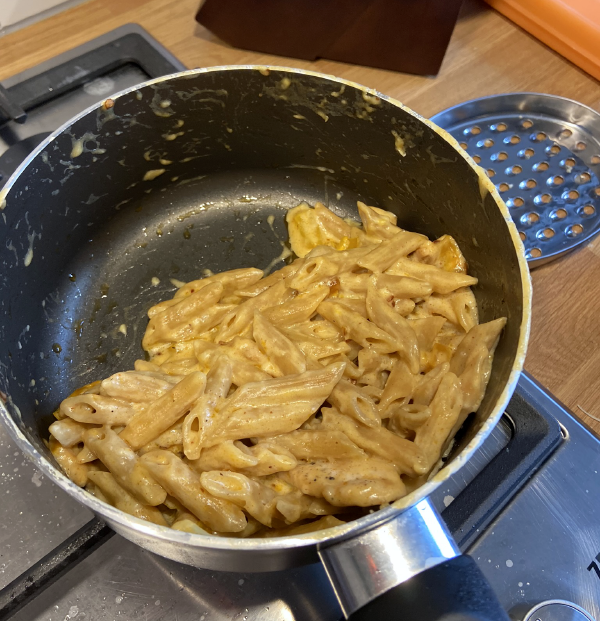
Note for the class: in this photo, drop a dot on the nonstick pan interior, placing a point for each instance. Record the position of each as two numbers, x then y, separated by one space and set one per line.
97 317
195 172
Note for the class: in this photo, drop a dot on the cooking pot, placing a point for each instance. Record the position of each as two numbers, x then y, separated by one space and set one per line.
181 174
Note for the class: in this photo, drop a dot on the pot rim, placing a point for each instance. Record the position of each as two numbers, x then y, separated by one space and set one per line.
330 535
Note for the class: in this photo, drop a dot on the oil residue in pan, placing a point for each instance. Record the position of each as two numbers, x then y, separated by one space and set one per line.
146 251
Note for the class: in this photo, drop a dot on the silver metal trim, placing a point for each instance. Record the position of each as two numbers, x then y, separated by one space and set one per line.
364 567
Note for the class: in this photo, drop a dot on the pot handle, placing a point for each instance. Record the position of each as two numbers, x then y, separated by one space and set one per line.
409 567
455 590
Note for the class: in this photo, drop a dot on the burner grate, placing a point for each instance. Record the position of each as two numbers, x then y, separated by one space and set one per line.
55 91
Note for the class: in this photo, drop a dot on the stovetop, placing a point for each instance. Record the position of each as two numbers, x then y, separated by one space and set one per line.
525 506
53 92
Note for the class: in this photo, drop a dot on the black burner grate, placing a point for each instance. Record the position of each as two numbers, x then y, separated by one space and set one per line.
55 91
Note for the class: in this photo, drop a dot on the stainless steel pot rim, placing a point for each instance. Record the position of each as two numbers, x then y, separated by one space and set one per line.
337 533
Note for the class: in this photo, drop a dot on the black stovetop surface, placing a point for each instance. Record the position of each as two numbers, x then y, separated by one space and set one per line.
55 91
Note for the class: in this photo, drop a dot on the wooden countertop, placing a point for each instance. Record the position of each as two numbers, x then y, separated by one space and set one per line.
564 351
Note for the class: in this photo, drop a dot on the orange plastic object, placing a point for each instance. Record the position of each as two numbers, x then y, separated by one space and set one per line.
571 27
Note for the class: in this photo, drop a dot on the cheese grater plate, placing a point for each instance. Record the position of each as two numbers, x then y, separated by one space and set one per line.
543 154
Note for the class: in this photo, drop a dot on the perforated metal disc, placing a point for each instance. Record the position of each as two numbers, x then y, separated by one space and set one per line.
543 154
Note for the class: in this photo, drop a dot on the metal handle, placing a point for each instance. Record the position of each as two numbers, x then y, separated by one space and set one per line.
455 590
363 568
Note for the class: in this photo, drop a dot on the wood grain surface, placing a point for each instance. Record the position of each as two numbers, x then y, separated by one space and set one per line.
487 54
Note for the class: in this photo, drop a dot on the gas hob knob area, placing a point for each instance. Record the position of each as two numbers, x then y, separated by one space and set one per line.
556 610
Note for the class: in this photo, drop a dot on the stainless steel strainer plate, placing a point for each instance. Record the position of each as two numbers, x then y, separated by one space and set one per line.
543 154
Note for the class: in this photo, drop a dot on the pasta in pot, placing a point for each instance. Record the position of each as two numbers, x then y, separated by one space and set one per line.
283 404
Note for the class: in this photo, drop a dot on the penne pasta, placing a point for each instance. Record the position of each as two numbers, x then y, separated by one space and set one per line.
146 367
458 307
350 400
188 318
486 333
180 367
219 377
323 350
314 271
68 432
137 386
247 350
160 307
231 281
405 456
189 523
428 384
394 325
299 309
350 482
357 328
432 436
443 253
271 458
308 445
66 458
355 304
120 498
315 331
270 280
284 354
398 387
408 417
228 455
199 424
242 369
385 254
440 280
403 307
256 499
427 330
374 368
475 377
311 227
402 286
295 506
172 437
155 417
184 484
124 465
273 405
97 409
85 455
239 321
377 222
329 521
260 460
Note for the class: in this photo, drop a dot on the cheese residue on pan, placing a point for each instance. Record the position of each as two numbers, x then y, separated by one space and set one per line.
399 143
152 174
